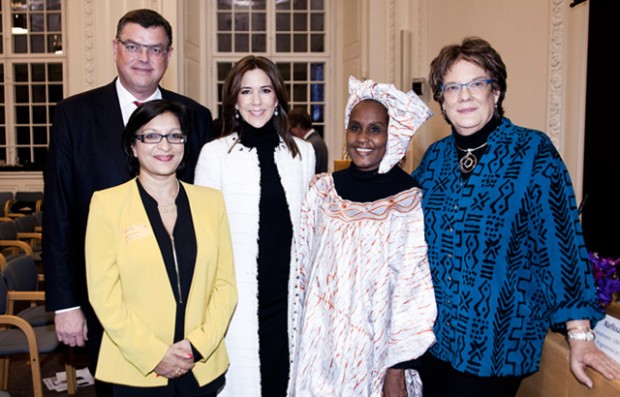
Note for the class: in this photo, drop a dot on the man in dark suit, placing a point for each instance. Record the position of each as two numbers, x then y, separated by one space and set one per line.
301 126
85 155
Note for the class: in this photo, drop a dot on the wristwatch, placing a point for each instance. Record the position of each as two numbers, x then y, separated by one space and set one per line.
581 333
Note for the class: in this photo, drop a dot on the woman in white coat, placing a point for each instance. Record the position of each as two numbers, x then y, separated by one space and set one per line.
264 174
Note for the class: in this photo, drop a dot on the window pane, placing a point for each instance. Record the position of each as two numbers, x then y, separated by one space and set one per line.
54 72
299 43
21 94
300 22
222 70
259 42
283 22
259 4
317 113
39 135
259 22
22 114
316 5
40 156
20 72
300 71
53 22
36 23
285 70
283 43
316 70
224 22
317 22
224 42
23 136
223 4
20 44
53 4
55 93
39 115
300 4
283 5
318 94
242 42
317 43
300 93
37 44
242 21
38 93
23 155
37 71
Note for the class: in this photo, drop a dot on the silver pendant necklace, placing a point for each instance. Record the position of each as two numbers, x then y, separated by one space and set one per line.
468 162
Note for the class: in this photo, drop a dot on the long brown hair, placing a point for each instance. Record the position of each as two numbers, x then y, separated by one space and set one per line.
232 87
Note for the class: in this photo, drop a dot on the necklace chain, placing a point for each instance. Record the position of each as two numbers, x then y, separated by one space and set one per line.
468 162
471 150
165 209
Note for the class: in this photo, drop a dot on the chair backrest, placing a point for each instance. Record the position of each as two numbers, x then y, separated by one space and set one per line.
28 196
20 274
3 294
26 224
5 200
38 217
8 230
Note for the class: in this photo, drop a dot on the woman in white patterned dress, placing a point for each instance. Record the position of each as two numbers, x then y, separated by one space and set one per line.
364 296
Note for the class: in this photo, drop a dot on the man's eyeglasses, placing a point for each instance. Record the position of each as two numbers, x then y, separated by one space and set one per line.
474 86
155 51
154 137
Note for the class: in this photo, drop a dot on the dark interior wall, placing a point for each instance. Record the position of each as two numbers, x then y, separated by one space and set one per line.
601 208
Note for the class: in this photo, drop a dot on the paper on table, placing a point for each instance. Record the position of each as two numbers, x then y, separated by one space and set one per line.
608 336
59 382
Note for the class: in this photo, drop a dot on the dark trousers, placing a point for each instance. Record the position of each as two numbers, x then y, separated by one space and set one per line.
93 344
439 379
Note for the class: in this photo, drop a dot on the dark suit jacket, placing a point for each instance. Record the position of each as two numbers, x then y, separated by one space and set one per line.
320 151
85 155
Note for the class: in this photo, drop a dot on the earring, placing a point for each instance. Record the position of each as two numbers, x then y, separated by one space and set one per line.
237 114
275 112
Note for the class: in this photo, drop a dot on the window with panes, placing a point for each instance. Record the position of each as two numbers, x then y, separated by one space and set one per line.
31 79
292 33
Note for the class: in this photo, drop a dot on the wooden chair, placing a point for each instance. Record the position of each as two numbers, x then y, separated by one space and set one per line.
10 243
12 342
21 280
26 231
5 201
25 203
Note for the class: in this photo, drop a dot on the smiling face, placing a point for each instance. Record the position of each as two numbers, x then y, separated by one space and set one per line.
257 99
141 72
468 111
367 134
159 159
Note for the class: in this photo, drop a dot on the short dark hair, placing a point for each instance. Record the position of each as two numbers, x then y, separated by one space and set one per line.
299 116
141 116
474 50
147 19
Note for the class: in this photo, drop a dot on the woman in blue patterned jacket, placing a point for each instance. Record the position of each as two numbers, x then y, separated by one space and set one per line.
505 242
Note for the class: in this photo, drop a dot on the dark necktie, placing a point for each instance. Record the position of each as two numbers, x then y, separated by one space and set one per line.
138 103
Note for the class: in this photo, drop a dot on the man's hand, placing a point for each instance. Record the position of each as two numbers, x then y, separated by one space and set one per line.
71 327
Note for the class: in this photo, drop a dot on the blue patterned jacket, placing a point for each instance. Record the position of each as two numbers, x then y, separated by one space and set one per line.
506 252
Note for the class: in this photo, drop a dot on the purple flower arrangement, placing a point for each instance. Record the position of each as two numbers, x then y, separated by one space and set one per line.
607 277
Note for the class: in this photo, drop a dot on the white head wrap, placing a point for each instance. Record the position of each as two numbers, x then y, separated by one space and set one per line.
407 113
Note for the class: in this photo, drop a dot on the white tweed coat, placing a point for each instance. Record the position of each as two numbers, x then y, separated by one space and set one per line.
236 172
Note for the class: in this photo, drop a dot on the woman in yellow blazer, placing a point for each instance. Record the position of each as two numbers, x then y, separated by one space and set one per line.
160 268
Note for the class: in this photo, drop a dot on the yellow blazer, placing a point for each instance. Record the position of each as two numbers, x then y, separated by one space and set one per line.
130 291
